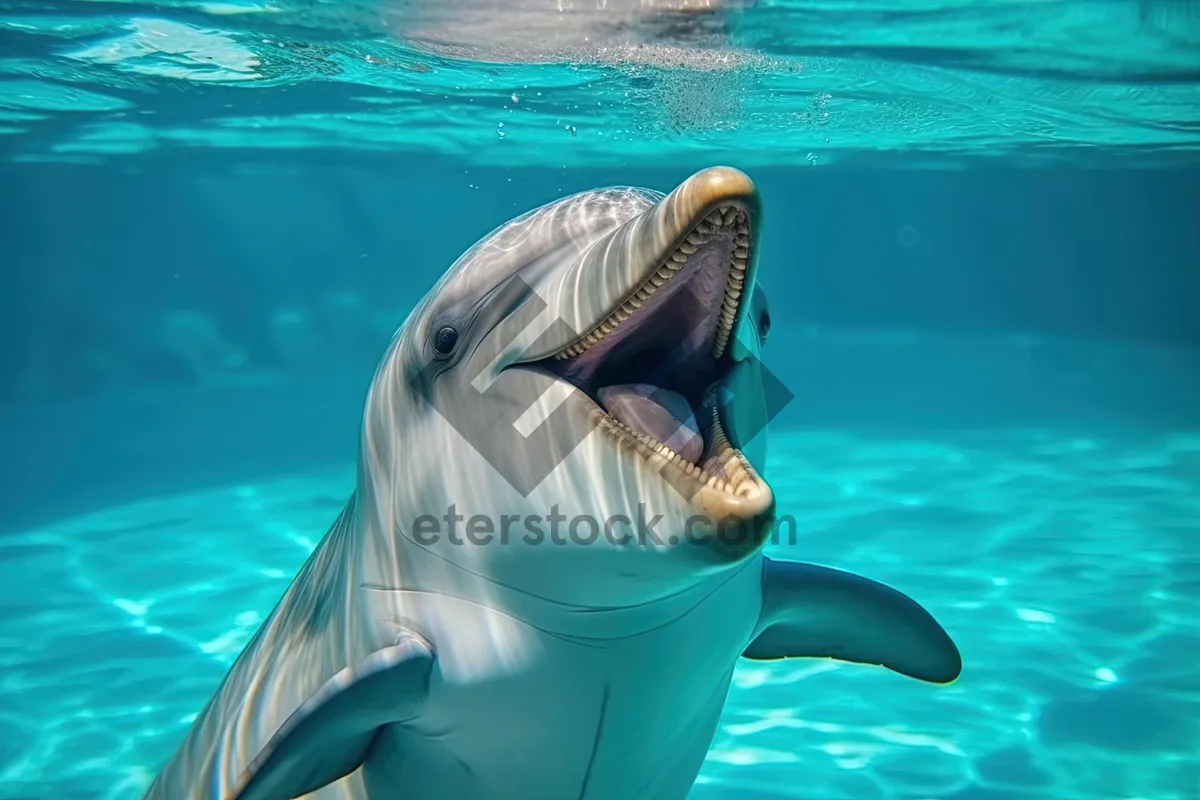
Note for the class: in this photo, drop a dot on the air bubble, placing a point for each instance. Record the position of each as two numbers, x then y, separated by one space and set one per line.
908 236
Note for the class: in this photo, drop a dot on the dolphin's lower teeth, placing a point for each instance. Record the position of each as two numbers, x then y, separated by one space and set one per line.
660 414
717 463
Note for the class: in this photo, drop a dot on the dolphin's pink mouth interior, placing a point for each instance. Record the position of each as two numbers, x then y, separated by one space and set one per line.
655 372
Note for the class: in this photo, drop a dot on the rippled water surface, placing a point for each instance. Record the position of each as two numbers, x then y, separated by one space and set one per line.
1073 615
909 82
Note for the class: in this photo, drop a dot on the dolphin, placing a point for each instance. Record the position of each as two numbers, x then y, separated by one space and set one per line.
529 593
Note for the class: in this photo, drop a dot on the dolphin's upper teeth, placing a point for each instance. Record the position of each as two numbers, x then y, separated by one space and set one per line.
731 220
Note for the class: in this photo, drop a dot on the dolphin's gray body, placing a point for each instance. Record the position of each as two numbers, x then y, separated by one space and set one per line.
411 662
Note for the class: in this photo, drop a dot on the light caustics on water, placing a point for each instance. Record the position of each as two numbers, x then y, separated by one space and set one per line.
695 33
1064 563
576 82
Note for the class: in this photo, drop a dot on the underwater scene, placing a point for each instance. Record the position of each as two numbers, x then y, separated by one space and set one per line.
600 399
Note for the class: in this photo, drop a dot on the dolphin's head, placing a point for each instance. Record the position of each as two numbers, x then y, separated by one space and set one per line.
584 366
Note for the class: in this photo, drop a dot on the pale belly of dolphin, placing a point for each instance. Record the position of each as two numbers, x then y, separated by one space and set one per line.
630 719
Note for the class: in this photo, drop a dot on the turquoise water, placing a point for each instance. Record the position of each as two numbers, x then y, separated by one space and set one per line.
1065 566
982 257
1062 556
914 83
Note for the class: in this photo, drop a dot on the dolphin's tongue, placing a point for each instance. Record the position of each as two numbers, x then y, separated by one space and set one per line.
656 412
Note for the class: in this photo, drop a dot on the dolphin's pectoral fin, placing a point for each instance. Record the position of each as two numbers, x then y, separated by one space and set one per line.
331 734
818 612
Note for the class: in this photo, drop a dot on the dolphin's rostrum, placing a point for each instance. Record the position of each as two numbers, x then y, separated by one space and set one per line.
595 359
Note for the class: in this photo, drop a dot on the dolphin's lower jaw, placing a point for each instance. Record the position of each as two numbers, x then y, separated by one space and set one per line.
663 353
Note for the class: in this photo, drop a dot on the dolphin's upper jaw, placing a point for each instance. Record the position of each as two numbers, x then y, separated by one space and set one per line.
661 357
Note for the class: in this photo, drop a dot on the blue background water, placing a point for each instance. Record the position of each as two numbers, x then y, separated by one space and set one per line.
987 316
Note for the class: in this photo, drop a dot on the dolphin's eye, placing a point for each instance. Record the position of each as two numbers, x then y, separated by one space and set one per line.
443 343
764 324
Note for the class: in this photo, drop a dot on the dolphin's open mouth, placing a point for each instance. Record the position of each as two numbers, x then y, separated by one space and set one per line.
655 366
